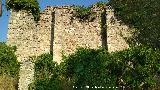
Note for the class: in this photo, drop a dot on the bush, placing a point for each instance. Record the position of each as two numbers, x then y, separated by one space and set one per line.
9 68
89 67
137 67
8 61
84 13
29 5
142 15
46 77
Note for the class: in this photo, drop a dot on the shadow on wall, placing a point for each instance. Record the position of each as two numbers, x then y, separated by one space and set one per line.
52 33
104 29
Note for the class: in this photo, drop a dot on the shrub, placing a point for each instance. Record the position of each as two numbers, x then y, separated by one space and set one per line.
46 77
88 67
134 68
137 67
142 15
8 61
29 5
9 68
84 13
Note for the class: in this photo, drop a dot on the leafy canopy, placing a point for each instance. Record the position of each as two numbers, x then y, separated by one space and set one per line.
142 15
29 5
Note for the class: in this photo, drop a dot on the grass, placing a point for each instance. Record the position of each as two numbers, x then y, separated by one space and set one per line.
8 83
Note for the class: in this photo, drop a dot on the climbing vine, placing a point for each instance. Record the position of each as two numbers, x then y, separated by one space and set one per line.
29 5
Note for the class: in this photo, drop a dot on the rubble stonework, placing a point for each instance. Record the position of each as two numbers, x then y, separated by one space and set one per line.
116 33
57 32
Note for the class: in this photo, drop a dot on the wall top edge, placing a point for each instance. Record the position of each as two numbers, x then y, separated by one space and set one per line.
71 7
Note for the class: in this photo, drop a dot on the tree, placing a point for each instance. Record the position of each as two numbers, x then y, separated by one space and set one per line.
142 15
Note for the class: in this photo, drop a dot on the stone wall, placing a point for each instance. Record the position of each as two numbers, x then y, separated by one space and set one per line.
117 32
72 33
21 30
58 32
43 35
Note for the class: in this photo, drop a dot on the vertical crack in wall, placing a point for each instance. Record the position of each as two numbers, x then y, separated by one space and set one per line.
52 33
104 29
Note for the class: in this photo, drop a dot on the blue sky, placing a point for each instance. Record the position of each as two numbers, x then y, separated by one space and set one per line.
43 3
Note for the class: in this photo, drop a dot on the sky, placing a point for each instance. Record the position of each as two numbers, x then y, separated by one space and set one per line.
43 3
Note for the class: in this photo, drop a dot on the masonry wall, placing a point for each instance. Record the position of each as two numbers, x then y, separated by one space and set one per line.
117 32
58 32
70 34
21 30
44 33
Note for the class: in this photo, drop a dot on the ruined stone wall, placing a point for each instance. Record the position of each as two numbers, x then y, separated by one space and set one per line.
31 39
44 33
72 33
58 32
21 30
117 32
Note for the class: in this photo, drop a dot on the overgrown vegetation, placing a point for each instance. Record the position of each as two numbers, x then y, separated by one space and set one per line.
142 15
46 77
136 68
88 67
86 13
29 5
9 68
8 61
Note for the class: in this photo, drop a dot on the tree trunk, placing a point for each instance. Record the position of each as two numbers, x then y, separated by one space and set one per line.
0 7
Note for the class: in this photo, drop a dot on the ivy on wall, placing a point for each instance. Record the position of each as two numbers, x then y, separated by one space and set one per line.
29 5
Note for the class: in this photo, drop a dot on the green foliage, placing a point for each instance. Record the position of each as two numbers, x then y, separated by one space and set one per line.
88 67
142 15
46 77
29 5
84 13
8 61
137 67
101 4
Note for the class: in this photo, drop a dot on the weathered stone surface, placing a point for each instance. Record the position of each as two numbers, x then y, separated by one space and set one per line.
70 34
116 32
21 31
56 32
